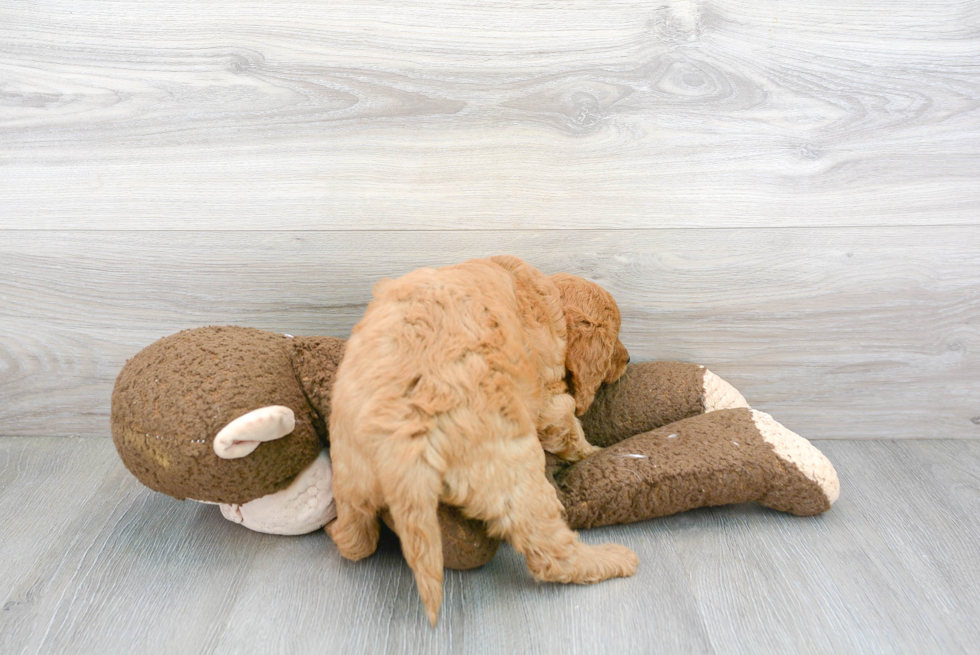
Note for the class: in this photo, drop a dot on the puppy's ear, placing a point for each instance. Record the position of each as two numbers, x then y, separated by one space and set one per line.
587 356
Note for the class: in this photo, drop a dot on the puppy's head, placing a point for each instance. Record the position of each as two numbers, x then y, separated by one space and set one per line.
595 354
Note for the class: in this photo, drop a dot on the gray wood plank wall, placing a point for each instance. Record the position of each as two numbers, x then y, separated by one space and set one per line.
786 193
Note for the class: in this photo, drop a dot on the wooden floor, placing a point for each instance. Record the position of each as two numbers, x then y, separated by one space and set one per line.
91 561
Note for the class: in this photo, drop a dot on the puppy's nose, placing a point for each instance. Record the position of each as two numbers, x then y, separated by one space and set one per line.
628 359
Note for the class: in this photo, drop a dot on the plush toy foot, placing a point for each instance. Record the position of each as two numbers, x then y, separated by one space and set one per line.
719 458
717 394
245 433
304 506
653 394
796 494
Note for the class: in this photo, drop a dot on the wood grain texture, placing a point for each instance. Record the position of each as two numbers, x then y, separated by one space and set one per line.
850 333
121 561
471 114
894 573
94 562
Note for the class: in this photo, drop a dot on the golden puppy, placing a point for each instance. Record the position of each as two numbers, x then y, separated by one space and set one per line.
451 388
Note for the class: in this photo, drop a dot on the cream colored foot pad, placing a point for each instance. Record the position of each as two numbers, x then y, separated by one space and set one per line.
718 394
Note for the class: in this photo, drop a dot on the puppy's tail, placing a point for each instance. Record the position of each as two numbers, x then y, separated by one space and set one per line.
414 512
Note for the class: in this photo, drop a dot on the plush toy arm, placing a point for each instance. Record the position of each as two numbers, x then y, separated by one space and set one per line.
653 394
244 434
719 458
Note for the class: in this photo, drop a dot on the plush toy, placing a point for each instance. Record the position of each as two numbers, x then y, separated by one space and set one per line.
237 417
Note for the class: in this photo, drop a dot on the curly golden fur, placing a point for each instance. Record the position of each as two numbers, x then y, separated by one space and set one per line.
452 387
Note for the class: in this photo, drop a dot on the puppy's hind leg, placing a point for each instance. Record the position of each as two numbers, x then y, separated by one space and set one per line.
527 512
355 532
357 494
413 501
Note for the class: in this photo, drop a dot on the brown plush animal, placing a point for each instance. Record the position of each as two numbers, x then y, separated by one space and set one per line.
676 437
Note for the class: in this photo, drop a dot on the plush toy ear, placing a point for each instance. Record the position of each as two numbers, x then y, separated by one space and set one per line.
245 433
587 357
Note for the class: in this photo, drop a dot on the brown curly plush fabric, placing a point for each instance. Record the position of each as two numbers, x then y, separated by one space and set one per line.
647 396
719 458
465 542
315 361
174 396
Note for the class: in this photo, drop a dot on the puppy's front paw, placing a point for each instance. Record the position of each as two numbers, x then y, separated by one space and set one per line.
580 451
606 561
622 561
571 451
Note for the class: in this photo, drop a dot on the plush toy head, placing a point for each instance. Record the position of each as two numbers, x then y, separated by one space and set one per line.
173 398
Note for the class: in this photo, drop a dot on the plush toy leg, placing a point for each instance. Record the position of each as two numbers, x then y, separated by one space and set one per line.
722 457
304 506
718 394
653 394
